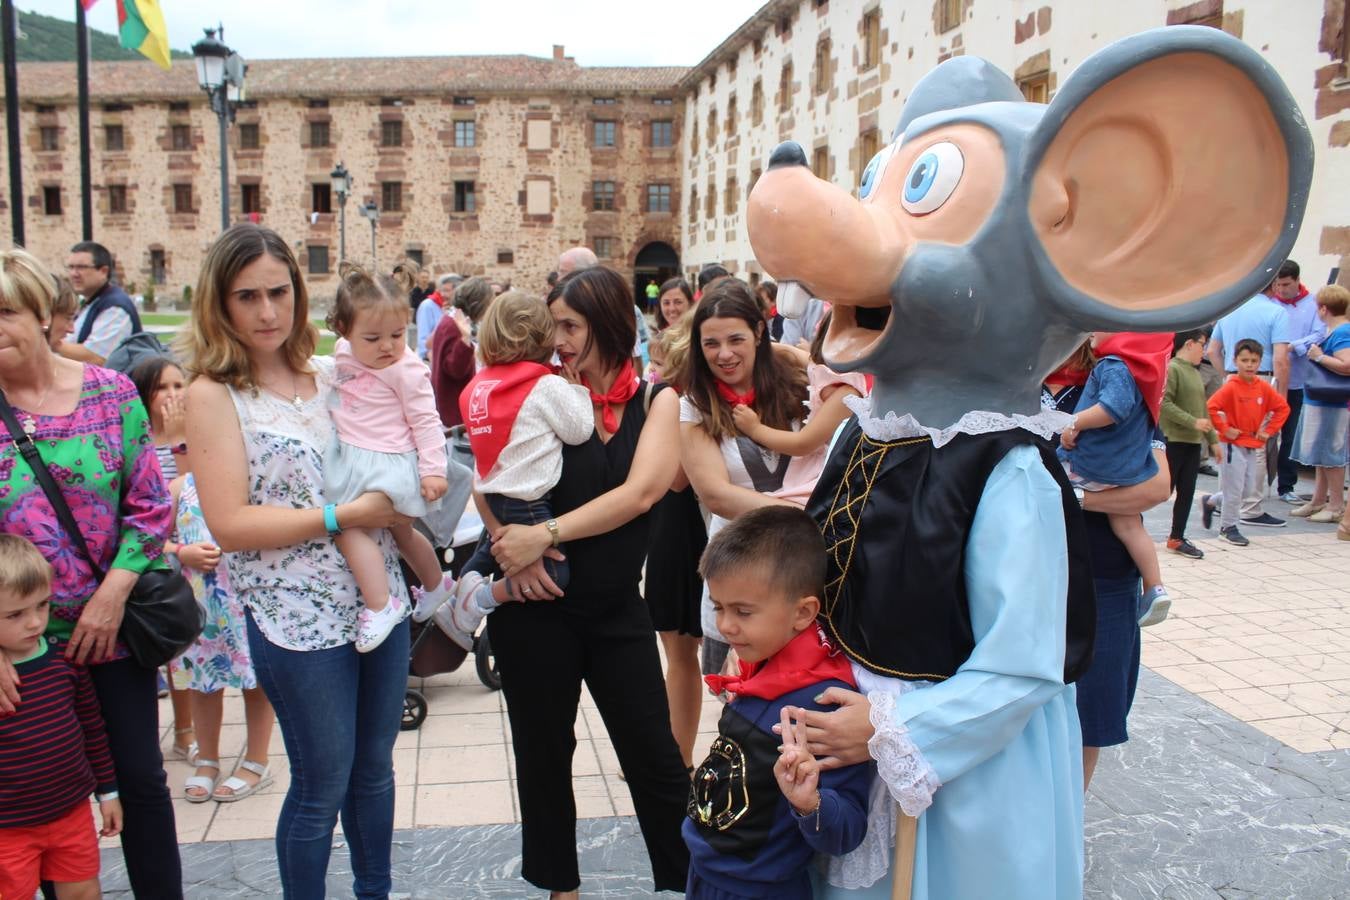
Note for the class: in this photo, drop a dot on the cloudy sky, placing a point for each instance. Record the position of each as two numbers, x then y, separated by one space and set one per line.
596 32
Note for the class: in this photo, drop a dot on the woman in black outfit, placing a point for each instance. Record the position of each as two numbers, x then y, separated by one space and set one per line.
600 632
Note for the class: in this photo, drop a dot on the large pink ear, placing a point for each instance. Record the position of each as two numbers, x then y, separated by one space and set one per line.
1167 181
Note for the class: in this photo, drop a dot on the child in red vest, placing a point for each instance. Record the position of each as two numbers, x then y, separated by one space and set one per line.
518 415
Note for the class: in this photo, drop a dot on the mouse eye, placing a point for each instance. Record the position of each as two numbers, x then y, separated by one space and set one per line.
872 174
932 178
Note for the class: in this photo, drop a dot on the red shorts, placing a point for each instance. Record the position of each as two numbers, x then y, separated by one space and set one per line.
62 850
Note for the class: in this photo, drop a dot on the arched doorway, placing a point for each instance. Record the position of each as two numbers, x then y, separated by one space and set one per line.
655 262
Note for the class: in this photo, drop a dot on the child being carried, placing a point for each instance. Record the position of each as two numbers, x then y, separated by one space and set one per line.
518 415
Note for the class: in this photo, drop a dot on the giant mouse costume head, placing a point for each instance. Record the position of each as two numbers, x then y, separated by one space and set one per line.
1161 187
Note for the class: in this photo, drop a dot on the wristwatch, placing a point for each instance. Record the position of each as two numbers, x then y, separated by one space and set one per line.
552 526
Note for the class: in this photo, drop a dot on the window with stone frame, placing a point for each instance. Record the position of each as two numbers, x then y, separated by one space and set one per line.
604 247
158 270
50 137
663 133
658 198
603 133
248 136
785 87
710 202
869 142
51 200
391 133
712 125
250 198
820 163
416 255
731 116
950 13
321 197
180 137
754 179
182 198
506 257
693 205
602 195
822 65
466 197
465 101
466 134
318 259
1036 87
319 134
114 138
391 196
757 102
871 40
732 198
693 138
117 198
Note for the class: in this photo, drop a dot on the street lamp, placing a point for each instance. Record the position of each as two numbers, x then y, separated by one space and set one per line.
220 72
371 212
342 187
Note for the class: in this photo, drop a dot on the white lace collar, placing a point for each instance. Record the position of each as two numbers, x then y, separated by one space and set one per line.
1047 423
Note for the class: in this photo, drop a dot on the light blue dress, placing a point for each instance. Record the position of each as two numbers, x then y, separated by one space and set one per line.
1002 734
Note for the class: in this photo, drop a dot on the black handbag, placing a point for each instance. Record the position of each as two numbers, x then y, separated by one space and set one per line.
1325 386
162 617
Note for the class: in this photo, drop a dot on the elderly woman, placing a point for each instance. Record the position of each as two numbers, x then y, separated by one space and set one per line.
91 431
258 423
1320 440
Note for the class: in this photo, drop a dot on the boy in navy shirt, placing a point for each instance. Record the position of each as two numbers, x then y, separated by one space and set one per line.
53 750
760 806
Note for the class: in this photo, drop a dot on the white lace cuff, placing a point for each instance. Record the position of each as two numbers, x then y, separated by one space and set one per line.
911 780
1046 423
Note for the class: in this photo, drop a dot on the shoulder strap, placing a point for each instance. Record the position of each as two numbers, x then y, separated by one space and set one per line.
647 393
25 445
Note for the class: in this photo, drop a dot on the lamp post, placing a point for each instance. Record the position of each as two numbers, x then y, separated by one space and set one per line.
342 187
371 212
220 72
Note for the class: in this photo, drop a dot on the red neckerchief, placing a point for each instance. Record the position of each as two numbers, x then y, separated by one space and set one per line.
435 297
807 659
773 310
1302 292
1068 374
624 387
734 399
1147 356
489 405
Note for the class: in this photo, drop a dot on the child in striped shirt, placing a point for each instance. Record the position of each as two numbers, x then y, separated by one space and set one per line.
53 750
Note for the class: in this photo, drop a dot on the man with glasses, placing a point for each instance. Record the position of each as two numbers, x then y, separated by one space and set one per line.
107 315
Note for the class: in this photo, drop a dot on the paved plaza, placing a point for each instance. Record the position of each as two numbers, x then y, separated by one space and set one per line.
1236 781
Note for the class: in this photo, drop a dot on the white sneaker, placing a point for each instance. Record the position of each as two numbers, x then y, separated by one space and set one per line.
445 622
467 610
429 601
373 627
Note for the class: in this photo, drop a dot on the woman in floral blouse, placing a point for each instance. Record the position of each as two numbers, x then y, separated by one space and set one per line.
258 422
90 428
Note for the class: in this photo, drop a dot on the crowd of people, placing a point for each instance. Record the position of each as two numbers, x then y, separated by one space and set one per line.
639 472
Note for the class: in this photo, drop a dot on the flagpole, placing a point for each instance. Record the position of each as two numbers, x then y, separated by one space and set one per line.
10 26
82 77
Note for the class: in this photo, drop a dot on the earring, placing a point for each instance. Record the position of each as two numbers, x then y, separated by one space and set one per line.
46 328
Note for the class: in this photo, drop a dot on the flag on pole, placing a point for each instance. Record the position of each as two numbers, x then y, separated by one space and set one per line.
140 27
88 4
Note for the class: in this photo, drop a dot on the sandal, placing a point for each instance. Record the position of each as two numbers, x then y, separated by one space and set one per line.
1327 516
203 782
238 787
189 753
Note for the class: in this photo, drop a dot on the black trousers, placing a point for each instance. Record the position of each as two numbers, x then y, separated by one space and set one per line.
1286 468
544 654
127 693
1184 461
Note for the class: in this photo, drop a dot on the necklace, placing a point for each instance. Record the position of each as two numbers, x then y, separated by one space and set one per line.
29 423
295 394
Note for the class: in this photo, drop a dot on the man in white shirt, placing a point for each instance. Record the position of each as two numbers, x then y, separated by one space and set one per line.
107 315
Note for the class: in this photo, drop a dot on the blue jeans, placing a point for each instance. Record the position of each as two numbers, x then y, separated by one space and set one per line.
339 712
510 511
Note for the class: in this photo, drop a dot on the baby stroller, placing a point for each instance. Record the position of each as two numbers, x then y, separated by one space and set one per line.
433 653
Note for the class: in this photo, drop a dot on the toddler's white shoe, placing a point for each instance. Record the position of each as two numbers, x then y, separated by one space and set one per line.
429 601
373 627
466 610
443 617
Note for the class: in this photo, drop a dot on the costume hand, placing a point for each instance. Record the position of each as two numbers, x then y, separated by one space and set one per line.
797 771
202 556
95 633
174 414
434 487
839 738
1204 425
746 419
1232 433
372 509
1068 438
9 687
516 546
533 582
111 811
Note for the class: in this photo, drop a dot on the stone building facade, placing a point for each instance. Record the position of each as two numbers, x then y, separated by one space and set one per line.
491 165
833 75
479 165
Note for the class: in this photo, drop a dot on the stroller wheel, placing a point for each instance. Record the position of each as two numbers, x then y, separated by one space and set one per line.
485 663
414 711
